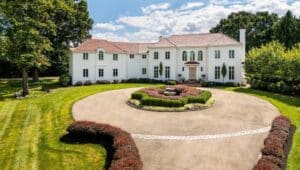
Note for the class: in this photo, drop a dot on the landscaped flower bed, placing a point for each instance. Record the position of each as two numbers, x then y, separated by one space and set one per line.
125 153
178 96
275 145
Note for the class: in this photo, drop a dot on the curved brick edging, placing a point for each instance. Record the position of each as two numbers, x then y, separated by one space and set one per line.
202 137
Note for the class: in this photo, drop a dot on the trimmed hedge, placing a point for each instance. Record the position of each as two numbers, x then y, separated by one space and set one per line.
273 152
125 156
147 100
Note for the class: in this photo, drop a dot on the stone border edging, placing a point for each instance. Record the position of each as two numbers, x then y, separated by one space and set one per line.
202 137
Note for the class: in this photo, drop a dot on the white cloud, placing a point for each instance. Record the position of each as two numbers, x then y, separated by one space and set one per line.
191 5
153 7
160 19
108 26
110 36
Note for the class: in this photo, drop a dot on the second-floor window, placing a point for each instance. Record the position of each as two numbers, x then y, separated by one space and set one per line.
144 56
115 57
200 55
155 55
131 56
167 55
101 56
217 54
192 56
85 56
85 72
231 53
115 72
184 56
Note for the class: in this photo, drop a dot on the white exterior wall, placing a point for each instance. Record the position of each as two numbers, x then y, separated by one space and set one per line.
132 68
161 58
135 66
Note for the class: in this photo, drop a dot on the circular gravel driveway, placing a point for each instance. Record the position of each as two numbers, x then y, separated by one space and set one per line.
228 135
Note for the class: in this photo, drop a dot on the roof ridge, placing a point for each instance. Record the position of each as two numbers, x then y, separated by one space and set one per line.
171 42
111 43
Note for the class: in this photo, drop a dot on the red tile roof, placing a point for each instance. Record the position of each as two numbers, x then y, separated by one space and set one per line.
188 40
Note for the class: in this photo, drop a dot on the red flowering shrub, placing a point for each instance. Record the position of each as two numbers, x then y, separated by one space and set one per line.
125 154
274 145
265 165
182 91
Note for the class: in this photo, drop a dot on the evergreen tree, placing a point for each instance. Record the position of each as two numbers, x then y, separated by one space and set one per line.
223 71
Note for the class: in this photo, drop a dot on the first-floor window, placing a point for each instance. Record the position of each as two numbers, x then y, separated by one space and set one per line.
101 72
156 72
144 71
217 72
231 73
201 68
167 72
85 72
115 72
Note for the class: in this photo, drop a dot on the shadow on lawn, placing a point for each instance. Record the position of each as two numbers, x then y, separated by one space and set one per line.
105 141
289 100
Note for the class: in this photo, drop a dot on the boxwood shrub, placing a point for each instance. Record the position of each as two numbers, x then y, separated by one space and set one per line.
147 100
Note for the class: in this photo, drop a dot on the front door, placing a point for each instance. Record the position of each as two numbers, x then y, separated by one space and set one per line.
192 73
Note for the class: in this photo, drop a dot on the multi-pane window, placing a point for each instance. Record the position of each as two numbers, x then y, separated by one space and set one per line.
184 56
101 72
201 68
156 72
101 56
231 73
144 56
192 56
155 55
85 56
200 55
115 72
85 73
131 56
115 57
167 72
217 72
217 54
182 69
144 71
231 53
167 55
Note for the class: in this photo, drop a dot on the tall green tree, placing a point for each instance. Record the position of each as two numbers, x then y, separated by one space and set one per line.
223 71
25 43
287 30
259 27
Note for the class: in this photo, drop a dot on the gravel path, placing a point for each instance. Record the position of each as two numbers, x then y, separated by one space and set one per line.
233 129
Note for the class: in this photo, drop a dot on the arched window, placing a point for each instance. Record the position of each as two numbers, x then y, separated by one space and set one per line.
192 56
101 55
184 56
200 55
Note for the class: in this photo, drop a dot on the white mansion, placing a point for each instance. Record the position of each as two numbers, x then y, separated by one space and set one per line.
188 57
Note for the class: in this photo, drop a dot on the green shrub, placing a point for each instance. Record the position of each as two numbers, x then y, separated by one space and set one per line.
64 80
152 101
171 82
202 98
138 95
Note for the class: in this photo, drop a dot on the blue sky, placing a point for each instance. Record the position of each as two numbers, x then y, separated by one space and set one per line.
146 20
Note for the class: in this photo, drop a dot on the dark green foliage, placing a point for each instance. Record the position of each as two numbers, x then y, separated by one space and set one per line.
216 84
147 100
64 80
224 71
259 27
171 82
87 83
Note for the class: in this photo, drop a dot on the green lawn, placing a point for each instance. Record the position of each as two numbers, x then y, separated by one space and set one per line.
288 106
30 128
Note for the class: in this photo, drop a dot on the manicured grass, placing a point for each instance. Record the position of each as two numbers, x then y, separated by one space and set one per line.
288 106
30 129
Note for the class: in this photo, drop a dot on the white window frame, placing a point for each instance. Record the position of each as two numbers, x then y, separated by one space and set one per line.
115 72
155 72
115 57
167 72
131 56
217 54
231 53
101 55
85 56
231 72
156 55
144 71
217 72
144 56
184 56
167 55
85 72
192 56
101 72
200 55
